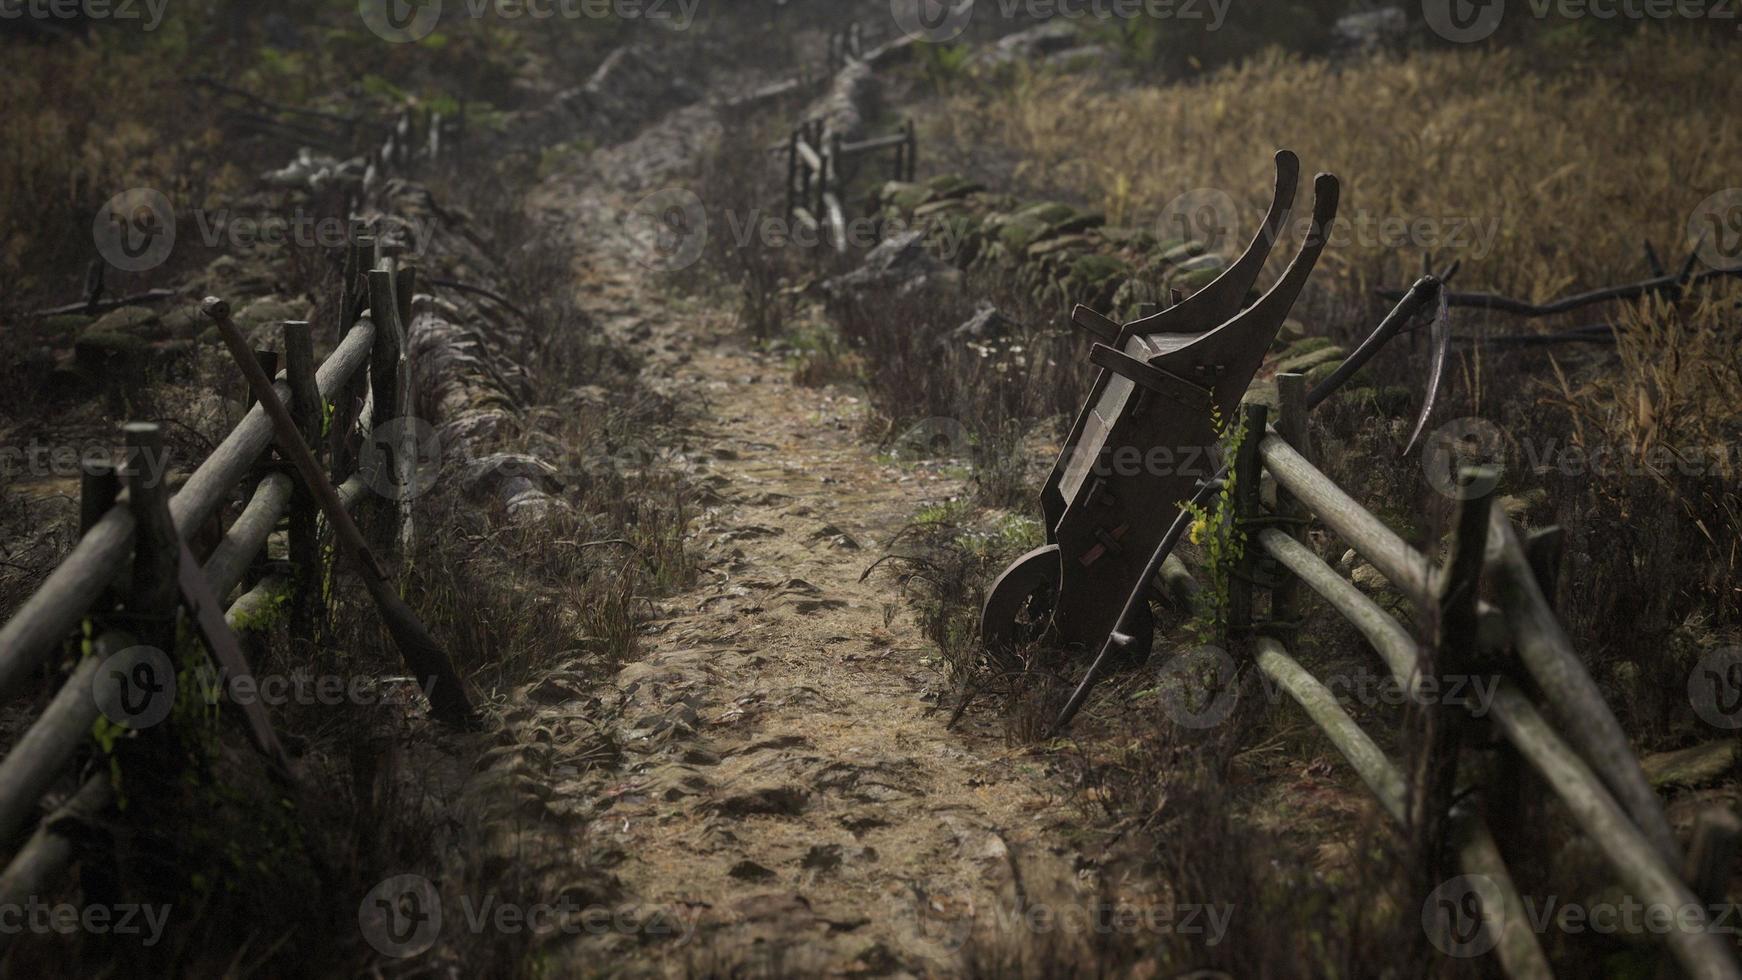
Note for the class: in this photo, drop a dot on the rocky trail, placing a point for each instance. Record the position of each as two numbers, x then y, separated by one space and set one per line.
787 795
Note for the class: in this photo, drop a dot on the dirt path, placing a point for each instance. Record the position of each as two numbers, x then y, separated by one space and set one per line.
786 790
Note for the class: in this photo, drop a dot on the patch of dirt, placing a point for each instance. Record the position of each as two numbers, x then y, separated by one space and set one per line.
787 789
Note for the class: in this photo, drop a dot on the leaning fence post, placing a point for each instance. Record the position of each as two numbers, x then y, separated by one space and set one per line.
309 411
1248 471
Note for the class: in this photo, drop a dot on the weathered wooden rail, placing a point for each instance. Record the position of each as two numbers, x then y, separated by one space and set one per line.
815 173
118 586
1516 642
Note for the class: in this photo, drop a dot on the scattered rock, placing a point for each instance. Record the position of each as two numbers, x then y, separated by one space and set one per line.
771 801
750 871
986 325
822 857
1369 578
901 265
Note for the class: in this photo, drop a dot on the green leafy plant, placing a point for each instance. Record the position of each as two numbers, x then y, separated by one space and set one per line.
944 63
1216 531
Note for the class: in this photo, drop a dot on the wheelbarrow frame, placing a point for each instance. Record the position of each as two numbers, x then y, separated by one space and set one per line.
1101 528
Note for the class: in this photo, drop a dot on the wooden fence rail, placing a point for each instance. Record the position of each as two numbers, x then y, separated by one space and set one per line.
1591 769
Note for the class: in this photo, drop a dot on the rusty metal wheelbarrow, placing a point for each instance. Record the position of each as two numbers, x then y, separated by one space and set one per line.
1145 441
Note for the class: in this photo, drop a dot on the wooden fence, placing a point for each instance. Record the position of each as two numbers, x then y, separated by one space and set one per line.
130 572
413 134
1516 641
816 178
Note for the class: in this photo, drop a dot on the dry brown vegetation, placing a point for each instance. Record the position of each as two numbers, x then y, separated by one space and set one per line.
1563 150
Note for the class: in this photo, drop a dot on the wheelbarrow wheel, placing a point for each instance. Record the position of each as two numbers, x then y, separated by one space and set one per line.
1019 609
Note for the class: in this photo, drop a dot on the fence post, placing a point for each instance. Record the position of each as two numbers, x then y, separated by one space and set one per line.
309 411
792 168
805 174
348 399
1542 548
1291 425
818 208
257 567
405 454
348 279
156 549
912 149
1455 653
1248 508
1711 859
384 358
99 486
386 376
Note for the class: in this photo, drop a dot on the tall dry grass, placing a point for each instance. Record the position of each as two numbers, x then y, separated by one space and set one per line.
1574 167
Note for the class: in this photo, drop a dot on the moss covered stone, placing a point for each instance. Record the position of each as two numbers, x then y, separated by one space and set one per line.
135 320
1328 354
953 186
